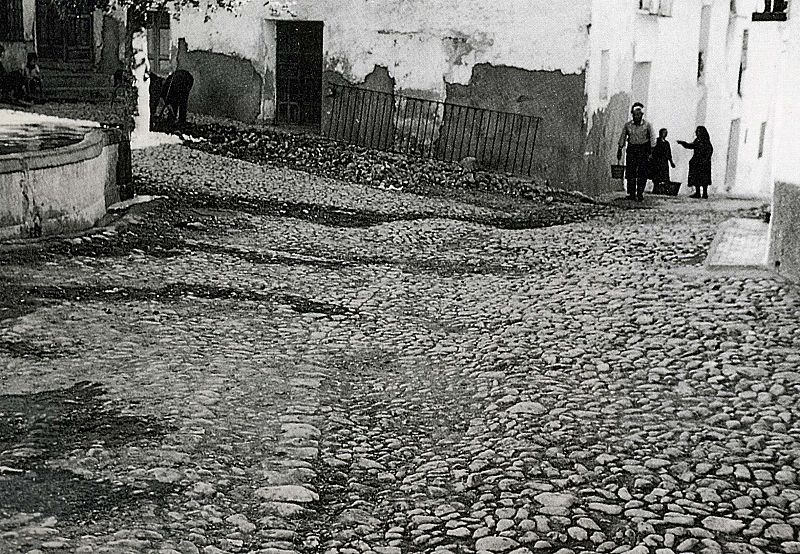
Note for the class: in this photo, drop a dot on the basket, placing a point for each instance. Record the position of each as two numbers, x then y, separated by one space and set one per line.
617 171
672 188
669 189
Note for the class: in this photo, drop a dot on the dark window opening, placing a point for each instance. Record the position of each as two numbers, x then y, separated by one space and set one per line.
761 139
298 75
11 26
700 67
775 6
743 62
774 10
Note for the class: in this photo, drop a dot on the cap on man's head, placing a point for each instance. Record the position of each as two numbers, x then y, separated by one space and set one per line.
637 106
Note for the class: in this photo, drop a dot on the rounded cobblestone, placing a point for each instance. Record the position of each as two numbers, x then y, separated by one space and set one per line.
431 381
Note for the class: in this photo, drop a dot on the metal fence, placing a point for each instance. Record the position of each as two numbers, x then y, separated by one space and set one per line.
499 141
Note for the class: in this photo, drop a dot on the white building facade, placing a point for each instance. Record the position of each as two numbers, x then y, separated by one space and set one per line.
691 62
578 65
525 57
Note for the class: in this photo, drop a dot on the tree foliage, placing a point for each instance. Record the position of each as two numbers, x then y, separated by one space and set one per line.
136 9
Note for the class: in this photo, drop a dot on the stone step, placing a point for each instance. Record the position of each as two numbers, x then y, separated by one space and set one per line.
68 79
84 93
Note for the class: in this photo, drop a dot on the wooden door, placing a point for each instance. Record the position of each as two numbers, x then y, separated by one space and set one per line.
298 75
67 36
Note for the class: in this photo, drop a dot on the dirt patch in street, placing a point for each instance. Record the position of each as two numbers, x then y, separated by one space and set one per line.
40 428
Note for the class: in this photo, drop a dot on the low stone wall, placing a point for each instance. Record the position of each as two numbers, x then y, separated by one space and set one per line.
784 247
66 188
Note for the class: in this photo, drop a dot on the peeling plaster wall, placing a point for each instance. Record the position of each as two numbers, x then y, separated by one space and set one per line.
423 42
555 97
426 46
223 85
232 59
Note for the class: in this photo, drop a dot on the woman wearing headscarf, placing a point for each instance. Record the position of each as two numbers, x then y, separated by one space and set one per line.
700 164
661 160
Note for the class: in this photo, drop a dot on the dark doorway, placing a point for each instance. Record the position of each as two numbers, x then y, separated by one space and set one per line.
67 37
298 75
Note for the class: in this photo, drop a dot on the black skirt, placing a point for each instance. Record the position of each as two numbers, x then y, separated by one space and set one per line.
659 171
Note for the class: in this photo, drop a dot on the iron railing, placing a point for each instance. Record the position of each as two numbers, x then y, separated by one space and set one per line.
500 141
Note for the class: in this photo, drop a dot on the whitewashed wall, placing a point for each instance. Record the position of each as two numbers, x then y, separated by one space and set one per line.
785 138
784 251
670 45
423 43
679 101
750 176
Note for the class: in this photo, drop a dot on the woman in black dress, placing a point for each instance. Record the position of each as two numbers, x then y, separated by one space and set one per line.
700 164
661 159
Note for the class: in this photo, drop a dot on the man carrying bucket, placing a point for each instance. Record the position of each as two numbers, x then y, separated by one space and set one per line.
641 139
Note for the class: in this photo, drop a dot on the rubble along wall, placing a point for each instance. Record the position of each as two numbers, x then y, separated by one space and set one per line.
427 47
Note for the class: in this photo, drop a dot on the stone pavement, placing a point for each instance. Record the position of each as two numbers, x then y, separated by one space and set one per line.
415 379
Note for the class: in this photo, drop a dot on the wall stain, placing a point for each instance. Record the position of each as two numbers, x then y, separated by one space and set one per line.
459 45
224 85
378 80
600 145
557 98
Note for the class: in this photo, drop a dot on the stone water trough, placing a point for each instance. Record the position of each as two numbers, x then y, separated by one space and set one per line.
58 175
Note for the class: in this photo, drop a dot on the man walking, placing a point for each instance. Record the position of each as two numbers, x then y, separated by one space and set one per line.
639 135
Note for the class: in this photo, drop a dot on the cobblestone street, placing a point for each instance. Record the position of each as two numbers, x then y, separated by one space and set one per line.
297 364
